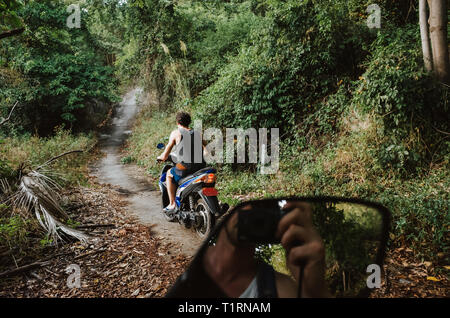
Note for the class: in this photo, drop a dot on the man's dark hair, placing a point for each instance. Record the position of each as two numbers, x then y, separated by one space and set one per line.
184 119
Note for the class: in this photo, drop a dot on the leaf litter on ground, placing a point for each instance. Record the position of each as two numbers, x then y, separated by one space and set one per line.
123 260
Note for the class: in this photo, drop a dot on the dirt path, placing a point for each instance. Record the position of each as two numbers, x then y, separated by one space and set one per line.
136 253
130 180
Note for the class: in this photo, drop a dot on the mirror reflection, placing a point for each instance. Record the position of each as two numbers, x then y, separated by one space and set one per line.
288 248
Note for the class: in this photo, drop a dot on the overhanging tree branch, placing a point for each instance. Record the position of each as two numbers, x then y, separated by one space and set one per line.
57 157
10 33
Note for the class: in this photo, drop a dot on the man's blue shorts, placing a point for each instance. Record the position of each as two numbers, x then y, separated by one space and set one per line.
177 174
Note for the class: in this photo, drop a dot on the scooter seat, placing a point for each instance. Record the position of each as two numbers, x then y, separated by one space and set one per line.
196 174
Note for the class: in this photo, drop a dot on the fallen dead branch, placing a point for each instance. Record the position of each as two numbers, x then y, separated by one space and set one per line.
7 252
94 226
21 269
99 250
4 120
28 267
57 157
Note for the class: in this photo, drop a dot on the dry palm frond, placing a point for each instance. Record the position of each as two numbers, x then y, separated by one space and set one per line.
53 174
37 193
183 47
5 188
165 48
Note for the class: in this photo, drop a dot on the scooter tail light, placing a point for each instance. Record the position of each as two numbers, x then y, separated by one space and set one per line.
210 192
210 178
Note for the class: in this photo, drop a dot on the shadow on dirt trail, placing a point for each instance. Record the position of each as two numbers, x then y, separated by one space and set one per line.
144 201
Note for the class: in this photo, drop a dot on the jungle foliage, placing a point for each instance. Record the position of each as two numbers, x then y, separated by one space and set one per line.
51 70
358 113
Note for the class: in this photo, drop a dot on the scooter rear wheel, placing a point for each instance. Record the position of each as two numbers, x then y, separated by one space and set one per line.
207 219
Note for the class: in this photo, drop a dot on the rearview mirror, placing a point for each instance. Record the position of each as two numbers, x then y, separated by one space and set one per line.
290 247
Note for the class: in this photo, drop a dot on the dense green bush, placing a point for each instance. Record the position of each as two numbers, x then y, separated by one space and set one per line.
248 92
395 84
6 171
410 103
212 36
13 231
31 151
421 214
296 58
53 71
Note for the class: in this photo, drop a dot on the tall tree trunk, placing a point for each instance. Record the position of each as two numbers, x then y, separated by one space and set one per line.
438 34
425 35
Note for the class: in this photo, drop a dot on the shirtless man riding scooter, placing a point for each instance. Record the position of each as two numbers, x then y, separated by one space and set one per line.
184 167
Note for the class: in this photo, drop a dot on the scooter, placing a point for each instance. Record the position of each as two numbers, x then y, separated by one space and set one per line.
197 205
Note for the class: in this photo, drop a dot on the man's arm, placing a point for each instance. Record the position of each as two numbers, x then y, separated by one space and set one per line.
169 147
286 286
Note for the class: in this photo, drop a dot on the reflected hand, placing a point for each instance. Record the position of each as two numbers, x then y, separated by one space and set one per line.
304 247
